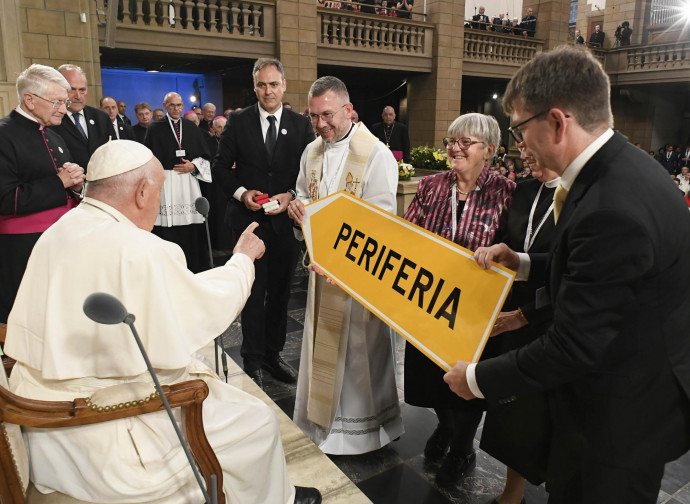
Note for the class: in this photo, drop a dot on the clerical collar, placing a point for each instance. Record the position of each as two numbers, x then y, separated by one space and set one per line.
23 113
174 121
352 127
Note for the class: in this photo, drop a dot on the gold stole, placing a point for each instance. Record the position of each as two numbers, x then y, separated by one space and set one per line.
329 310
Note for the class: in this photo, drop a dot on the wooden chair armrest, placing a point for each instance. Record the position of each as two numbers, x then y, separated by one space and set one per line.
188 395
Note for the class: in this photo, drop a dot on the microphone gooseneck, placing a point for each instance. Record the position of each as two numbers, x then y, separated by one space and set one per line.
106 309
202 206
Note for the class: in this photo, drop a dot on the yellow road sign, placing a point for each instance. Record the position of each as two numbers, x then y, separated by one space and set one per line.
425 287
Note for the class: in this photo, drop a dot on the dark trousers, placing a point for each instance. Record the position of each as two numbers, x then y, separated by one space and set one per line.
192 240
15 250
264 317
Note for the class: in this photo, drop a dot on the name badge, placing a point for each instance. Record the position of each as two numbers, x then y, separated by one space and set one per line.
180 153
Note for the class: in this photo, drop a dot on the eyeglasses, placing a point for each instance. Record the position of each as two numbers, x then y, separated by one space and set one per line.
326 116
174 105
515 130
55 103
463 143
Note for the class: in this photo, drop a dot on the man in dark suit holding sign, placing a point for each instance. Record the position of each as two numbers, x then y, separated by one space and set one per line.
616 361
265 142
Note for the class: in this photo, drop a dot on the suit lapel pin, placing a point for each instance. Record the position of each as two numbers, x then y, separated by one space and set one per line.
91 122
283 131
61 151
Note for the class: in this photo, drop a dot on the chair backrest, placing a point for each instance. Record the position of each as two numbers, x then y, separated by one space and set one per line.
53 414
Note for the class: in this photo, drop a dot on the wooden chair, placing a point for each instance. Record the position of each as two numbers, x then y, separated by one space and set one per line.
7 362
49 414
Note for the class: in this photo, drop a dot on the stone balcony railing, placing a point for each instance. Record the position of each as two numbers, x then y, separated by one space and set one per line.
669 62
195 27
368 40
493 54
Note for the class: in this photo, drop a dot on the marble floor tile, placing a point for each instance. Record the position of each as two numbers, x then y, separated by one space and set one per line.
401 485
676 474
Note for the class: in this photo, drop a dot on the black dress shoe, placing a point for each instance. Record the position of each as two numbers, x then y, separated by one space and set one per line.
437 445
280 370
307 495
258 377
455 467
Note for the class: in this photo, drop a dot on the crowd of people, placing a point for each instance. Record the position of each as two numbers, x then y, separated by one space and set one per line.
393 8
527 27
588 351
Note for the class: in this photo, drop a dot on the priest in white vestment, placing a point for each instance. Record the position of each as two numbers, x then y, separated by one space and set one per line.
362 410
105 245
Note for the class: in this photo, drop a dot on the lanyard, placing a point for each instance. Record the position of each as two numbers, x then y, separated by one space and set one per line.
529 235
178 140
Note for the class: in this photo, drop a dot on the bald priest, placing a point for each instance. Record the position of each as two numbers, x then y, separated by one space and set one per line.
105 245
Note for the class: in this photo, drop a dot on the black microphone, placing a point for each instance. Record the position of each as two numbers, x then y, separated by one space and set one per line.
106 309
202 206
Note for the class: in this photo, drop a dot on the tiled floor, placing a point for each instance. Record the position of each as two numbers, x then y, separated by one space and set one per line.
397 473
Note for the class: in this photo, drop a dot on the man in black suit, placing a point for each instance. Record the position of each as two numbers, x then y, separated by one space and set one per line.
84 128
121 108
206 122
529 23
616 361
669 160
143 112
393 134
122 130
480 21
264 142
596 39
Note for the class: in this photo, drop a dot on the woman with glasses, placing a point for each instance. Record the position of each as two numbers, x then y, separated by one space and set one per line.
467 205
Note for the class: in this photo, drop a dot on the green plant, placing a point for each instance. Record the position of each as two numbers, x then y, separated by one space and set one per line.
428 158
405 171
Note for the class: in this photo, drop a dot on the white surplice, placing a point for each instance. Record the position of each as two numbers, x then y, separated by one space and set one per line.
367 415
62 354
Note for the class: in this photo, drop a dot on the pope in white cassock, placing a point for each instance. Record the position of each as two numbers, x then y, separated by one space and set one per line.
105 245
347 401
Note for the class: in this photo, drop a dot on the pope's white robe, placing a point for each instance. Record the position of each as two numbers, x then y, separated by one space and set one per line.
61 354
367 416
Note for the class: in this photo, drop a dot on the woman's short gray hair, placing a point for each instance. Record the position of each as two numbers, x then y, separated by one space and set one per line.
36 79
483 127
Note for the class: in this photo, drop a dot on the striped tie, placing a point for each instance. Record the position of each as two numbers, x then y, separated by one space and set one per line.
558 199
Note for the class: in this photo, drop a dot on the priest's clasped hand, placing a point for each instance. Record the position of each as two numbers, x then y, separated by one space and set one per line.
185 166
456 379
72 176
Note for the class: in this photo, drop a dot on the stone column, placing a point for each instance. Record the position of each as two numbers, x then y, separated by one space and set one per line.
11 54
296 34
53 34
552 21
433 100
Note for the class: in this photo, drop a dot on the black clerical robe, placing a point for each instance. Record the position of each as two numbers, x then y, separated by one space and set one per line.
32 196
161 139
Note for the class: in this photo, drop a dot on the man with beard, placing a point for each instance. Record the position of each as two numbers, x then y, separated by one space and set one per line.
350 405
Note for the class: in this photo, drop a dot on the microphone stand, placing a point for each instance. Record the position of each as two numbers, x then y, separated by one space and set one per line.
202 206
129 320
106 309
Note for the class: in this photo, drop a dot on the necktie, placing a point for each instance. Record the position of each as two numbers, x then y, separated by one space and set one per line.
76 116
271 137
559 197
117 133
